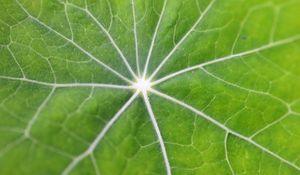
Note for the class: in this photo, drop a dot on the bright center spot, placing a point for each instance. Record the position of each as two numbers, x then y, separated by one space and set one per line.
142 85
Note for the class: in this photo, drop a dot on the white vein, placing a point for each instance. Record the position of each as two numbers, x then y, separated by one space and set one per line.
135 38
67 85
154 38
229 57
91 148
215 122
99 137
75 44
157 130
183 39
109 37
110 86
39 110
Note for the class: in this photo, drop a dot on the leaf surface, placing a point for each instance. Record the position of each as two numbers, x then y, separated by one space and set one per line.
133 87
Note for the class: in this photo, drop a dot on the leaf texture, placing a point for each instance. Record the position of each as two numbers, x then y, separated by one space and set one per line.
150 87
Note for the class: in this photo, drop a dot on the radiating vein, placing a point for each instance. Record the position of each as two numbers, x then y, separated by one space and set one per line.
75 44
154 38
109 86
99 137
215 122
229 57
89 151
25 80
124 59
183 39
158 133
135 38
67 85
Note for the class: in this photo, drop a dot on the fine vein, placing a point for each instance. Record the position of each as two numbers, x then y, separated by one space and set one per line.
39 110
226 153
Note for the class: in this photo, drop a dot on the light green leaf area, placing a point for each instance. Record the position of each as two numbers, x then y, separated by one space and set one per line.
149 87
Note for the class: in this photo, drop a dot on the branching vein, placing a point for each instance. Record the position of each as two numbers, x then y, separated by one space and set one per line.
74 44
99 137
215 122
89 151
109 37
234 56
247 89
183 39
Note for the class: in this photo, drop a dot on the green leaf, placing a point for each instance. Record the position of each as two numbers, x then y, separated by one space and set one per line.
145 87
